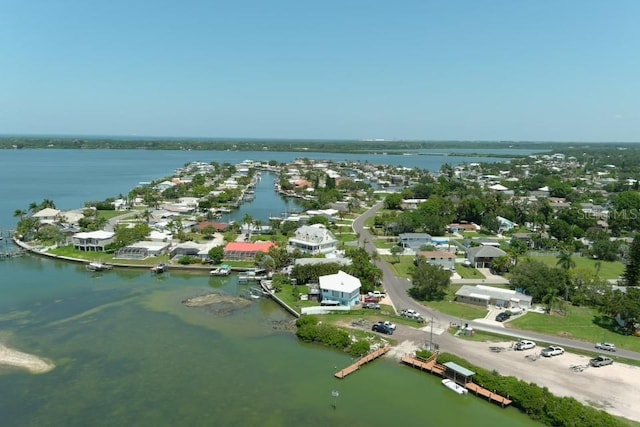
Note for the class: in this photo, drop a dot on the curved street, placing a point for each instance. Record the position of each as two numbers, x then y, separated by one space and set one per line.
397 291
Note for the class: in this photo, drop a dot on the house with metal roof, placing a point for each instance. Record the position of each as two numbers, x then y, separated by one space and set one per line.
488 295
339 289
313 239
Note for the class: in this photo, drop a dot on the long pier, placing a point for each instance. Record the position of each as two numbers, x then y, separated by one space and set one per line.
362 361
431 365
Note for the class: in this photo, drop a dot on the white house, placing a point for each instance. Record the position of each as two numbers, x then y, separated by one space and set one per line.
340 289
313 239
489 295
47 215
92 240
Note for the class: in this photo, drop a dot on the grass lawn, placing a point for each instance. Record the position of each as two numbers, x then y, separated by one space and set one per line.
608 269
385 242
110 214
69 251
468 272
346 237
404 267
449 306
582 323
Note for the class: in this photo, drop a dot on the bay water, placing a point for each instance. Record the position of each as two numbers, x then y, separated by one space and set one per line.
129 353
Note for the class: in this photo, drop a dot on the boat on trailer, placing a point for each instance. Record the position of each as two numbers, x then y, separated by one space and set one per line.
453 386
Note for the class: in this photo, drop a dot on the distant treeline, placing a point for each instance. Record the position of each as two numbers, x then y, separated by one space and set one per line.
335 146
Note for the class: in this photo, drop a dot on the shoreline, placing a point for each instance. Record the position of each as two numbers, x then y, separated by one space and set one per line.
13 358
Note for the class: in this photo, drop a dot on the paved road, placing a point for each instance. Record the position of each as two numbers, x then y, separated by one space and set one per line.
397 290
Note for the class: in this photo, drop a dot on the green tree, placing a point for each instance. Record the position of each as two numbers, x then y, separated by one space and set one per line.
430 282
216 254
565 261
632 270
393 201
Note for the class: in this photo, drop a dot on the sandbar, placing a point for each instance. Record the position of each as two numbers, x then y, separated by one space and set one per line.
17 359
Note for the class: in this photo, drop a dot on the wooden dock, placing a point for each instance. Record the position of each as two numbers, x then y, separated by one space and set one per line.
429 365
489 395
363 360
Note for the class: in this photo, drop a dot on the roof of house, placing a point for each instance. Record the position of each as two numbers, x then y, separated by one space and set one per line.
316 233
218 226
487 292
46 213
340 281
98 234
403 236
249 246
316 261
485 252
436 254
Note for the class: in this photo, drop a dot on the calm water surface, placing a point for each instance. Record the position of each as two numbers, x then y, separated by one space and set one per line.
129 353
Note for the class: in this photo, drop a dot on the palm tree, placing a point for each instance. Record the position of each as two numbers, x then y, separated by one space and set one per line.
19 213
33 207
564 260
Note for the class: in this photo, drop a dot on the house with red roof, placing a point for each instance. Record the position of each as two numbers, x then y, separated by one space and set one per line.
246 251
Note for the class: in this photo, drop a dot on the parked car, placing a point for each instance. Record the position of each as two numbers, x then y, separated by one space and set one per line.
600 361
552 350
388 324
382 328
524 345
501 317
376 294
371 299
411 314
371 305
606 346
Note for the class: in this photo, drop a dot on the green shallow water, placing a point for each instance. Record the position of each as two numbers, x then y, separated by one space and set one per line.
128 353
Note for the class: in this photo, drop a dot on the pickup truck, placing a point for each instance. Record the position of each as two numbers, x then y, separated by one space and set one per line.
600 361
382 328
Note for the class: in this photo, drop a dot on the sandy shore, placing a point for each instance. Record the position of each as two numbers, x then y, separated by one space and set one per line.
17 359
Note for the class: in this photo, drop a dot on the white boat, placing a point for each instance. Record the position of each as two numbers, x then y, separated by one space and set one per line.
98 266
223 270
451 385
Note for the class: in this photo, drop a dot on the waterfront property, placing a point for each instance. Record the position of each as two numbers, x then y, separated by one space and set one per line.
246 251
47 215
92 240
313 239
340 289
488 295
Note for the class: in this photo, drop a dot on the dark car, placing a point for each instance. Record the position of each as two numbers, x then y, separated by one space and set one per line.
501 317
382 328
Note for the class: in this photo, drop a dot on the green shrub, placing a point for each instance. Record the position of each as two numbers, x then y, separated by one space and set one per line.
311 330
359 348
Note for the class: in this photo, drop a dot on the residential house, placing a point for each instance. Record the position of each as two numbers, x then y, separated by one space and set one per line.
415 240
488 295
483 256
313 239
246 251
411 204
47 215
340 289
92 240
505 224
459 228
446 260
143 250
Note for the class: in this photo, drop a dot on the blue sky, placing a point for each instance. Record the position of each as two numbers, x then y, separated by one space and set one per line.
544 70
